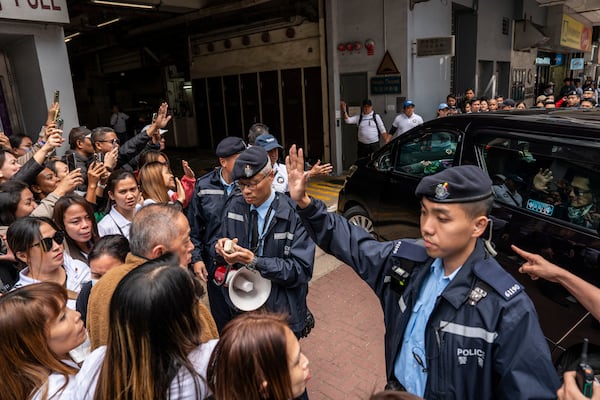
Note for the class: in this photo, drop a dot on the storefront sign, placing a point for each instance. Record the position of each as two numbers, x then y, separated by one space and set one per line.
577 63
575 35
385 85
435 46
35 10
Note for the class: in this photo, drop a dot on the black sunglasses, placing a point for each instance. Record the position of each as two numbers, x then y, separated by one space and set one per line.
46 243
580 192
113 141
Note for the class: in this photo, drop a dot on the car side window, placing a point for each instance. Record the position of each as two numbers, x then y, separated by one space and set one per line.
383 161
426 154
555 180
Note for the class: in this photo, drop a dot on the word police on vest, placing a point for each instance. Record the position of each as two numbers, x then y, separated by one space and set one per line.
463 356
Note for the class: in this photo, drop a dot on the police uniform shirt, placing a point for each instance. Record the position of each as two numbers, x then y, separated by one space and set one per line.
367 130
262 211
411 365
280 179
228 186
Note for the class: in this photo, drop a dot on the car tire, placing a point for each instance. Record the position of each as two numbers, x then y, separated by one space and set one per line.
357 215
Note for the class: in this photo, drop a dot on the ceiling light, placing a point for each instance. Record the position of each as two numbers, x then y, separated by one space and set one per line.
112 21
68 38
116 3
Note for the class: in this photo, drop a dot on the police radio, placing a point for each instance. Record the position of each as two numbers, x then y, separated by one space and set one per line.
585 373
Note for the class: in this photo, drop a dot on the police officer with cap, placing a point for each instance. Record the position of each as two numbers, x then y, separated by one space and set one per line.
458 326
213 191
272 146
269 238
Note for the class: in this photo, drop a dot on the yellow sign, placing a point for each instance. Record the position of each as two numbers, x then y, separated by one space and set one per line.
574 34
387 66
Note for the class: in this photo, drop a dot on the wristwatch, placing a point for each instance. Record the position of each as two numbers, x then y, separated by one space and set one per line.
252 264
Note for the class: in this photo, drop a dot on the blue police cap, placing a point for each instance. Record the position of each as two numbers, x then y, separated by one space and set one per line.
229 146
267 142
250 163
462 184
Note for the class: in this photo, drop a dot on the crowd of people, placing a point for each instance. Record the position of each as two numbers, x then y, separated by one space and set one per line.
106 256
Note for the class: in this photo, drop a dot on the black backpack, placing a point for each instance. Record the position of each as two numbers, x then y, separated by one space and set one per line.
374 120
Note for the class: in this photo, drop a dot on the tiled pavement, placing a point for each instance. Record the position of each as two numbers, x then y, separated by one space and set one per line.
345 349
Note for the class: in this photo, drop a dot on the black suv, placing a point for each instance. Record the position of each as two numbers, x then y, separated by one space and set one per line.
546 172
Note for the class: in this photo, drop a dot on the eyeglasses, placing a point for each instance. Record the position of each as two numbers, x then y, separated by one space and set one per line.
113 141
580 192
46 243
251 186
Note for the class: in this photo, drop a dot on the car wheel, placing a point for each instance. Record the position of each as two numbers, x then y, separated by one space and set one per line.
358 216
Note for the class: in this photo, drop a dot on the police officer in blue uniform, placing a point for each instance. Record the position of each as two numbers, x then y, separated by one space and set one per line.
458 326
213 192
269 239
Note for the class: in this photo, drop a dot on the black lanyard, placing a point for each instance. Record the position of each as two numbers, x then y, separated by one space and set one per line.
261 236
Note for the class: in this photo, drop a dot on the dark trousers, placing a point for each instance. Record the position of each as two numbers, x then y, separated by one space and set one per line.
219 308
365 150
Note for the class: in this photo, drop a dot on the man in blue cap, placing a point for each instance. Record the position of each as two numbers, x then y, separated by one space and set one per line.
406 120
269 238
213 192
280 177
443 110
458 326
272 146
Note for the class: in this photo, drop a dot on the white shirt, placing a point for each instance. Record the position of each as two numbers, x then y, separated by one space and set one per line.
114 223
280 181
367 130
182 386
77 274
117 120
55 382
404 123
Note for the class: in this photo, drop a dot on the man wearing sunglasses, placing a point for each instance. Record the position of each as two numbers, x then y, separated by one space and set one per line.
582 209
269 238
573 201
115 154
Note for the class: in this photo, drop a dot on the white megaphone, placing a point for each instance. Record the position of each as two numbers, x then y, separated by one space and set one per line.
247 289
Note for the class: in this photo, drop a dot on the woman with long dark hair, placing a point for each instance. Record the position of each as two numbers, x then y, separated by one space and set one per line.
75 217
124 195
154 349
37 244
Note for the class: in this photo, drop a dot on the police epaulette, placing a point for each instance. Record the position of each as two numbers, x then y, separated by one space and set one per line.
406 255
490 272
410 250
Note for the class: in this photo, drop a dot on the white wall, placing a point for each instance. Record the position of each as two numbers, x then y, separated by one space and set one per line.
425 80
38 55
429 77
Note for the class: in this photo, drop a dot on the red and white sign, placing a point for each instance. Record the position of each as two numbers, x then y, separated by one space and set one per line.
35 10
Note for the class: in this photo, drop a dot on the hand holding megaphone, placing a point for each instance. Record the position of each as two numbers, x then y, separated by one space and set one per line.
232 253
248 290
